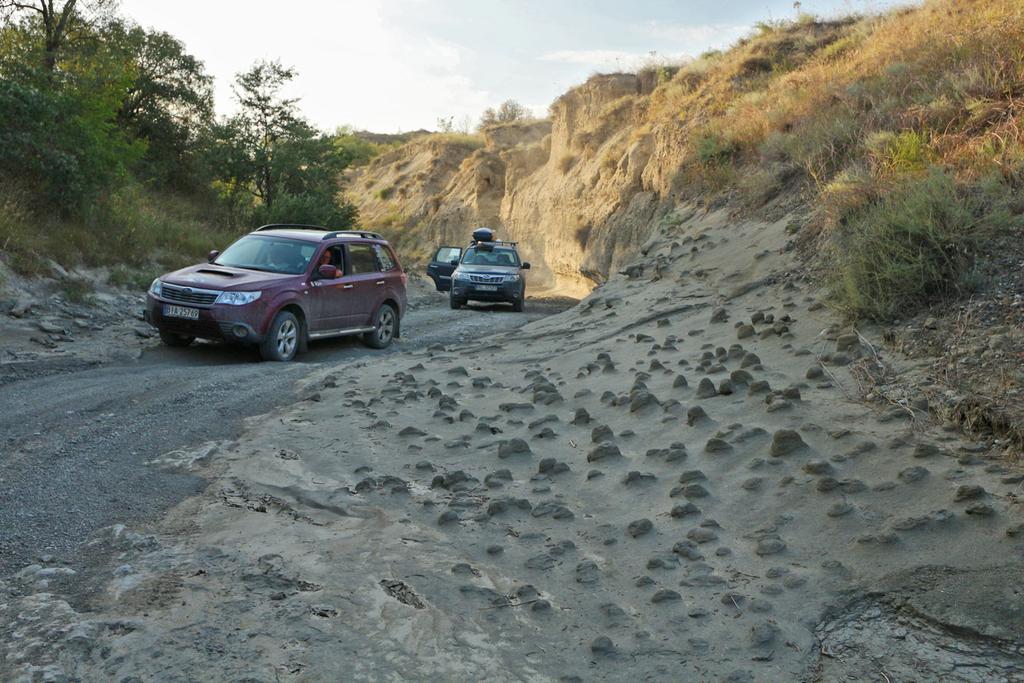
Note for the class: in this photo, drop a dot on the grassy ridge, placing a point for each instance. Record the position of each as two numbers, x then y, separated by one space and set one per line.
138 233
903 130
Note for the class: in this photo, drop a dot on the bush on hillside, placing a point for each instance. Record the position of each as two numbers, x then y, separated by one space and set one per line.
713 148
311 209
915 246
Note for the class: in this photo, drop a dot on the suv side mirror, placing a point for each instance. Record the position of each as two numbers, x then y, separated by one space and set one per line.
454 262
212 256
526 265
327 272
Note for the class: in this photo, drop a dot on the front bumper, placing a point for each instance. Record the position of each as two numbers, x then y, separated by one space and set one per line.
509 291
218 322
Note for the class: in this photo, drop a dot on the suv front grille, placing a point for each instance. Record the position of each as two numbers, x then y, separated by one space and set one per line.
487 279
188 295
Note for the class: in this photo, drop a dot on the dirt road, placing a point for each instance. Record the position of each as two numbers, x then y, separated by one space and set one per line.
674 480
76 438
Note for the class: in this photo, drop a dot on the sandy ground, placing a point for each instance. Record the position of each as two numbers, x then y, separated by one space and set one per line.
82 414
670 481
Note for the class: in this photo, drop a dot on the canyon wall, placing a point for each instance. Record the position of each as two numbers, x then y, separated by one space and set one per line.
579 191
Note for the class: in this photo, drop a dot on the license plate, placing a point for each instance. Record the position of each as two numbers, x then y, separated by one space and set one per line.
487 288
181 312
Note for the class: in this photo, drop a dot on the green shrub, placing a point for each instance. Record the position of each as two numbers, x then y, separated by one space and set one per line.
713 148
899 152
18 234
820 145
60 141
132 278
311 208
914 246
77 290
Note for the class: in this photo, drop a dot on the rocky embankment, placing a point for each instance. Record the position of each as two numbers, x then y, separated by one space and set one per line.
579 190
675 480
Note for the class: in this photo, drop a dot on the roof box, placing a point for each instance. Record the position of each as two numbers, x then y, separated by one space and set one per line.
483 235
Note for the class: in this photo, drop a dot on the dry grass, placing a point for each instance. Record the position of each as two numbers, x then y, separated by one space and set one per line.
470 140
139 233
854 112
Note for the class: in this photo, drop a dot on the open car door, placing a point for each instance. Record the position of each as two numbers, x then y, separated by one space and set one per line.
440 269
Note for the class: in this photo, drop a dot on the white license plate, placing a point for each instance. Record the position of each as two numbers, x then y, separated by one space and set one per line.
181 312
487 288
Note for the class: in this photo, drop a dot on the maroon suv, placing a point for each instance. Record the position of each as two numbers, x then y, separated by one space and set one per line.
282 286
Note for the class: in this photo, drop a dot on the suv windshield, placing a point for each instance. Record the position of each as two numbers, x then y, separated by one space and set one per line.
270 254
498 257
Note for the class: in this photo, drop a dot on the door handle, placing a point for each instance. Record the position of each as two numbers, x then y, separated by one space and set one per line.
380 282
347 286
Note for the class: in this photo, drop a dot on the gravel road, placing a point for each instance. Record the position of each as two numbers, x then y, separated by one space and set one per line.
75 441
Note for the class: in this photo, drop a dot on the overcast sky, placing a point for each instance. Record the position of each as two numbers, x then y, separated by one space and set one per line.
394 65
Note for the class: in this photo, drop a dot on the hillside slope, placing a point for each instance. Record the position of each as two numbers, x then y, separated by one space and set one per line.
895 143
549 184
834 115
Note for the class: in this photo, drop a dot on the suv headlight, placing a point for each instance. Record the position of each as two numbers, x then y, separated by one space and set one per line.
155 287
514 277
237 298
460 277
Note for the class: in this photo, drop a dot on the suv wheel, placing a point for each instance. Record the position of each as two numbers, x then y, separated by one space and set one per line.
177 340
456 303
385 326
518 305
282 340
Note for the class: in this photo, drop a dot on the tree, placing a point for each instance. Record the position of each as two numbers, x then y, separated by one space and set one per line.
168 104
352 149
445 124
59 138
507 112
58 20
288 167
266 119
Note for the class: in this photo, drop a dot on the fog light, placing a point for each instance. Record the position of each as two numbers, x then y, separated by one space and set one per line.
240 331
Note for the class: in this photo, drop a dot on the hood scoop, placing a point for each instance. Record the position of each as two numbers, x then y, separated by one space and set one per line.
210 271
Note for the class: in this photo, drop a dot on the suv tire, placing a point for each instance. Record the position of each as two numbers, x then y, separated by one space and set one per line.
385 328
282 340
176 340
456 303
518 305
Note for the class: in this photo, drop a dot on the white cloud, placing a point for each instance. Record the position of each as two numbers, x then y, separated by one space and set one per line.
355 64
696 37
686 41
610 59
378 64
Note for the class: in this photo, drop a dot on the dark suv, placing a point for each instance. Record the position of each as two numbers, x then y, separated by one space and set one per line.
488 270
282 286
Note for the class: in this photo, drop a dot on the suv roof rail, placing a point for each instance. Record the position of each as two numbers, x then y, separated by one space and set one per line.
291 226
365 234
330 233
495 243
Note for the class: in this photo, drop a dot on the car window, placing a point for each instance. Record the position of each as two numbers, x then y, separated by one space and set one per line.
332 257
362 259
385 261
498 257
447 254
270 254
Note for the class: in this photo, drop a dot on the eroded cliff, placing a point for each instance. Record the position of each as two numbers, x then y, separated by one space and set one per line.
578 191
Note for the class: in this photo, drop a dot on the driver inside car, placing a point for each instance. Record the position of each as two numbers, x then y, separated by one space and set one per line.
331 257
280 257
